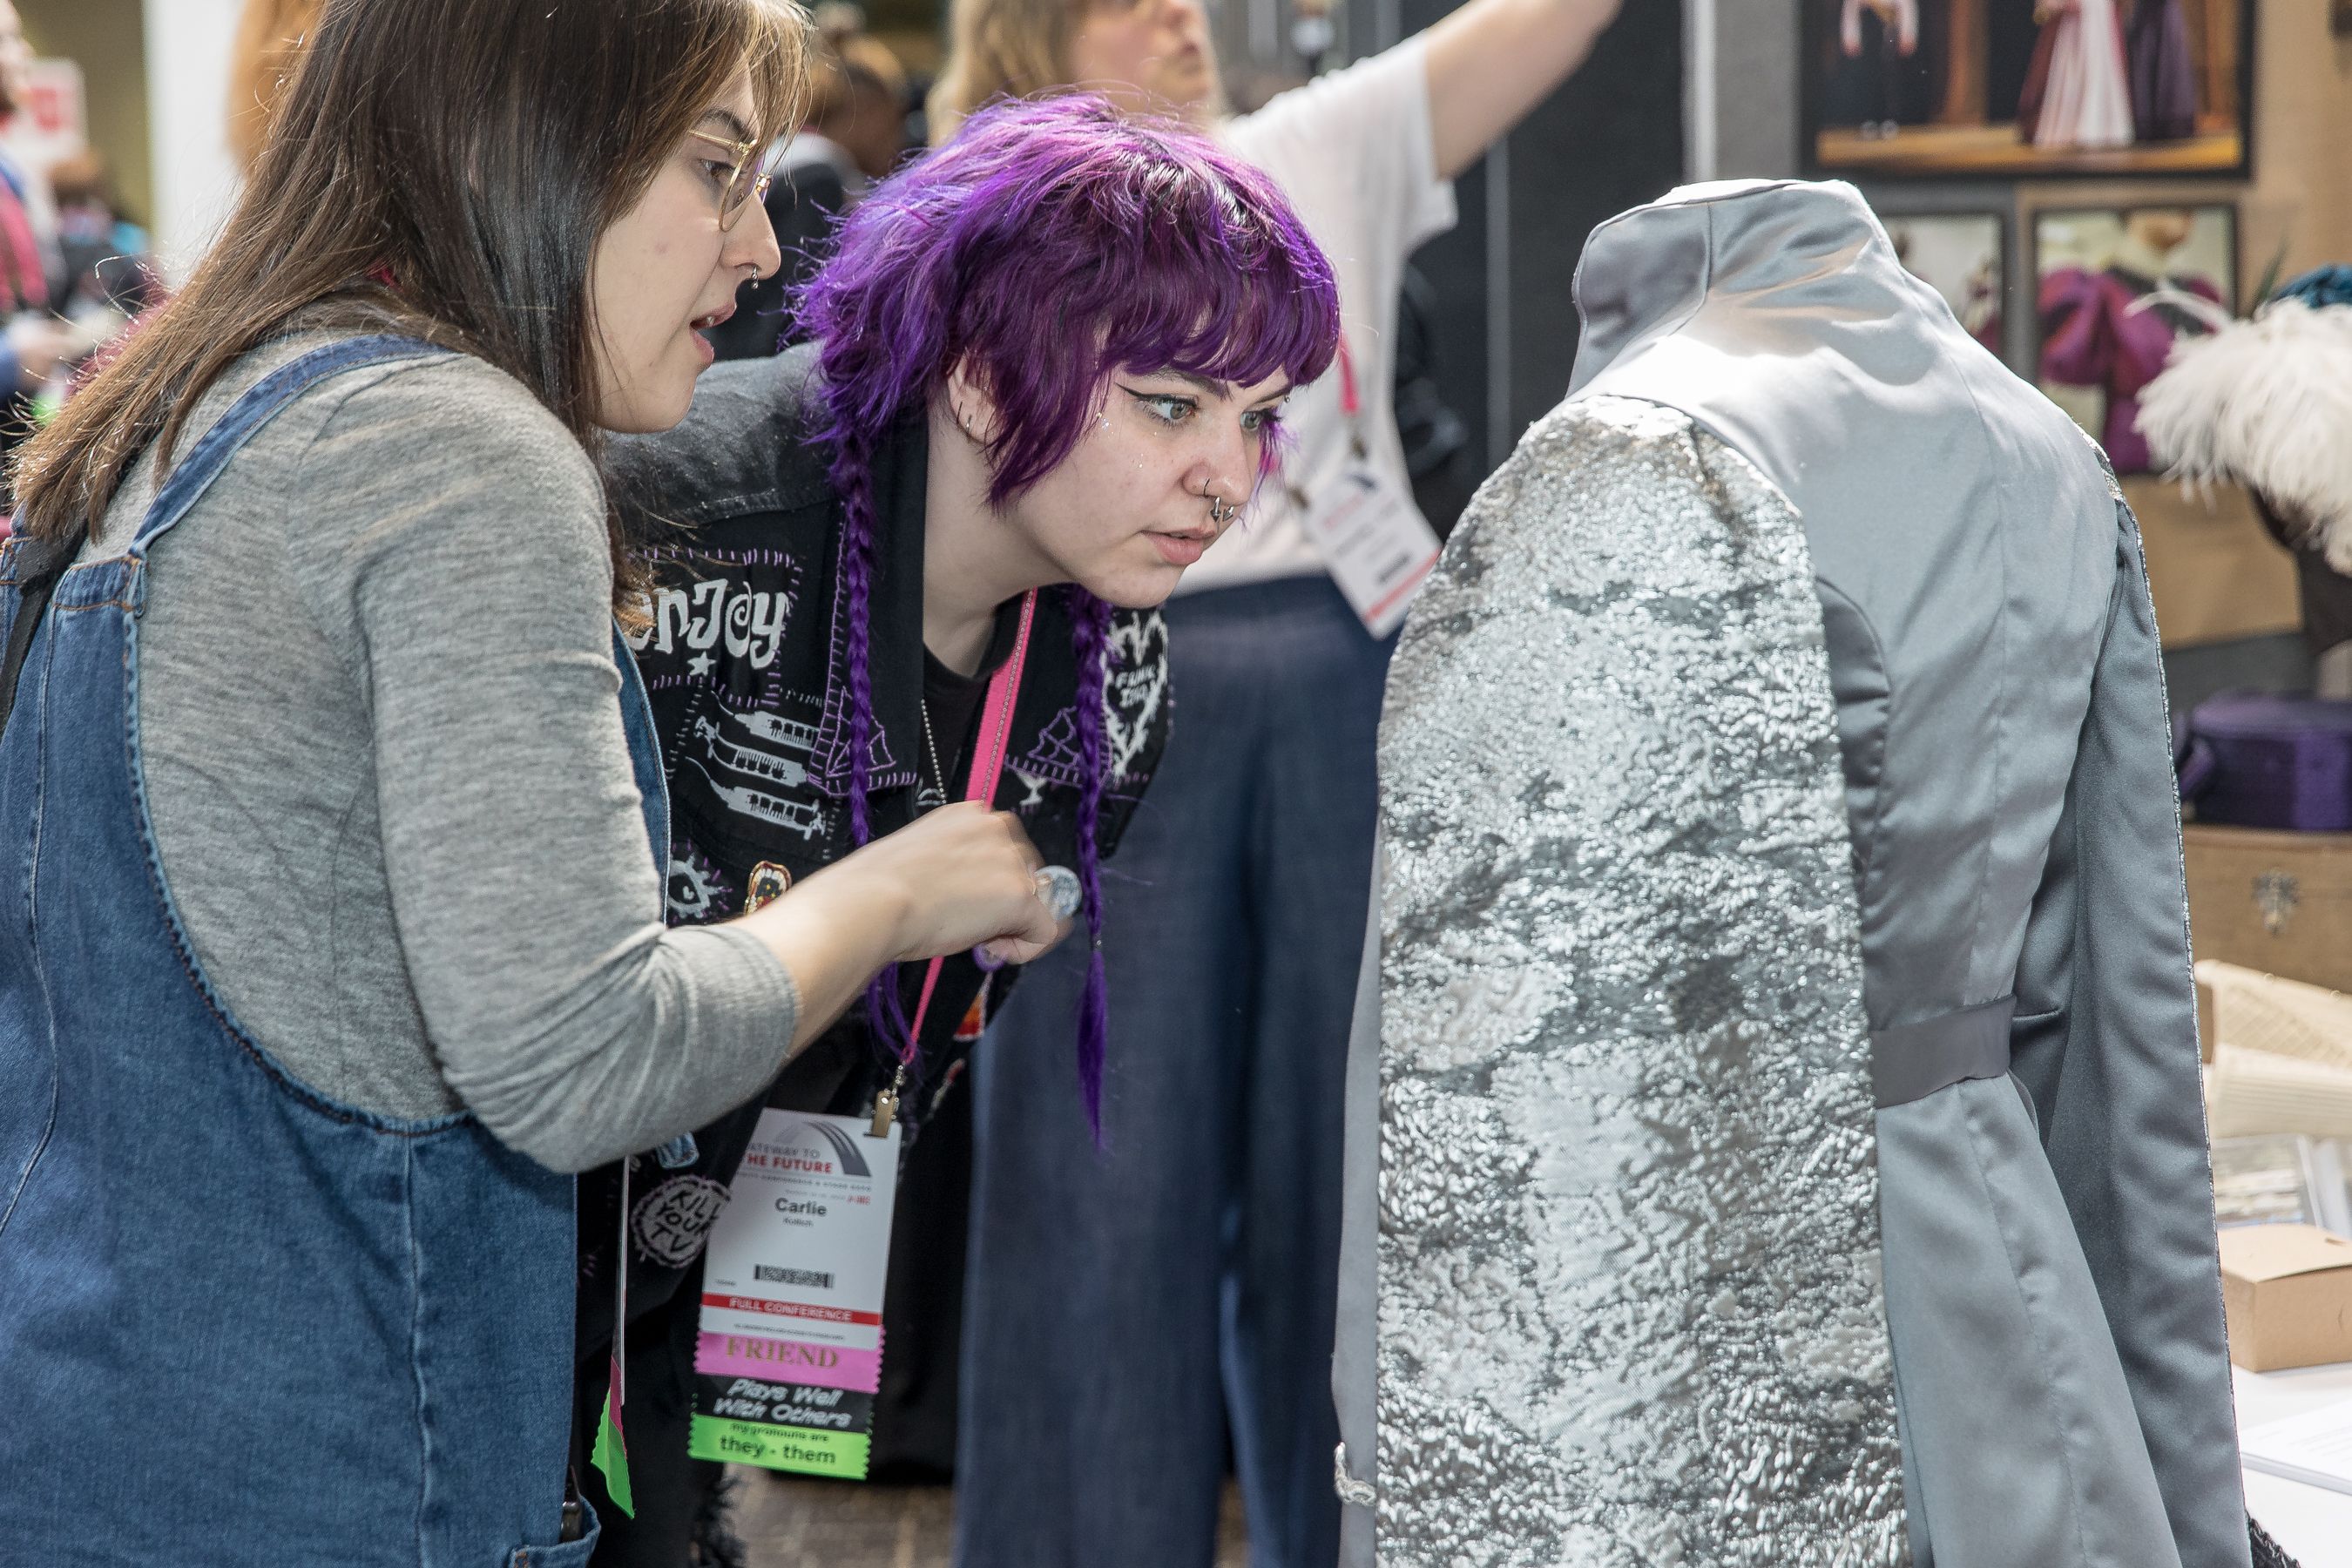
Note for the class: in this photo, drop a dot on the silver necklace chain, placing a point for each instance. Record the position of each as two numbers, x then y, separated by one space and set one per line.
938 774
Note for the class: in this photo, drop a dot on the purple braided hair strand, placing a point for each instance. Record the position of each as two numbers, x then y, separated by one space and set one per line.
1090 640
851 473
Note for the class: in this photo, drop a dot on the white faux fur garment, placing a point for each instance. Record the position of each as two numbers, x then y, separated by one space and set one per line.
2266 402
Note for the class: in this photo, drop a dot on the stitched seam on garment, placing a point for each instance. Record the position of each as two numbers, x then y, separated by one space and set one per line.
335 903
325 402
2132 564
193 970
2132 579
32 914
1994 1207
723 508
1874 868
416 1350
2001 660
1705 282
1914 1485
174 926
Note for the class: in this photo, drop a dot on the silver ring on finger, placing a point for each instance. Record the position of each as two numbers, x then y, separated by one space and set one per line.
1059 891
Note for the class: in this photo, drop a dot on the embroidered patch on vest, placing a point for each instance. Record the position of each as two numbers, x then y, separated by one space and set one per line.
672 1220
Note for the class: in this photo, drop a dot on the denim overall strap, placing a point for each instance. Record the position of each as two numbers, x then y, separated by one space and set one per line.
194 474
644 753
240 1321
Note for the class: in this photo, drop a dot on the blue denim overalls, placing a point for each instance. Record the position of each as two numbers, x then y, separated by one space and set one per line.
239 1323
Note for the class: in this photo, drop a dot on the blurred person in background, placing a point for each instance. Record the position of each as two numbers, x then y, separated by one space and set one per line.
1125 1312
855 130
37 347
270 37
103 254
107 275
860 105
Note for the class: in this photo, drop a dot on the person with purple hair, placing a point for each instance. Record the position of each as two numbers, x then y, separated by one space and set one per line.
1132 1319
1044 373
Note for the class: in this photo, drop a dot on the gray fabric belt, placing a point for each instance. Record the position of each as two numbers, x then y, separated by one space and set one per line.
1912 1061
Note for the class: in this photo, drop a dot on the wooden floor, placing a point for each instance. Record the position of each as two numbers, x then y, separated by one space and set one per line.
788 1522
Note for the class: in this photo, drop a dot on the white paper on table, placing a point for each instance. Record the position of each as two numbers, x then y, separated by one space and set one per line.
2315 1447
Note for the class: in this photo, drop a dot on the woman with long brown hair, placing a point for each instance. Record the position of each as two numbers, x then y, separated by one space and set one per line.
332 937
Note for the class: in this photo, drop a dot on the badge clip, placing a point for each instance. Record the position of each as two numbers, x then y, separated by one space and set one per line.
886 1105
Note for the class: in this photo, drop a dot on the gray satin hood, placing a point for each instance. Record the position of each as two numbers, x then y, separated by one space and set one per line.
1756 280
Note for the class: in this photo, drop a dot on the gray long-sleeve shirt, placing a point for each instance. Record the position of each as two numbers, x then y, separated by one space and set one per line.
384 756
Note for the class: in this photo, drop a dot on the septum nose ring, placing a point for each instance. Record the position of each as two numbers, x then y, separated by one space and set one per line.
1222 510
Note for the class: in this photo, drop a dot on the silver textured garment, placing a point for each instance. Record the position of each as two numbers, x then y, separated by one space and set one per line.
2051 1289
2051 1297
1630 1307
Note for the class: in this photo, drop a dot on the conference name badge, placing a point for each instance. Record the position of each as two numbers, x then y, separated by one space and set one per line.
788 1357
1375 543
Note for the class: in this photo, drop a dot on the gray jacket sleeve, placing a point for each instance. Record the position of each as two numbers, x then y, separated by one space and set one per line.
466 581
2106 1044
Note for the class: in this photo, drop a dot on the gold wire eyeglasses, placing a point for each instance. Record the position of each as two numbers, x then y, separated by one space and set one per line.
745 183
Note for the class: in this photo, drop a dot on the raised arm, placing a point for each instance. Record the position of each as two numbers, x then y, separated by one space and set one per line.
1493 60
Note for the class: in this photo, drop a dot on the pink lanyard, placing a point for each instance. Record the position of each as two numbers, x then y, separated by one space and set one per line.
987 768
1351 401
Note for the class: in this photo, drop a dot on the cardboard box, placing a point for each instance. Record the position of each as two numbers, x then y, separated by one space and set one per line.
2214 569
2280 902
2288 1290
2246 1010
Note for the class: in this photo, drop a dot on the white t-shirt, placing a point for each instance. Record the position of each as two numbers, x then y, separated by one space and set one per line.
1352 152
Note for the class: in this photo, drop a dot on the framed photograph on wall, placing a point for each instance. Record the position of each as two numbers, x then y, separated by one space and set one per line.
1958 255
2028 88
2114 289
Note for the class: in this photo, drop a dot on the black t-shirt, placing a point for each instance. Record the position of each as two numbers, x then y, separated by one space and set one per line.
952 705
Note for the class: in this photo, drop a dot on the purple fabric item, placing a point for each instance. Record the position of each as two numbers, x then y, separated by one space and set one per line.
2092 337
2163 76
2264 760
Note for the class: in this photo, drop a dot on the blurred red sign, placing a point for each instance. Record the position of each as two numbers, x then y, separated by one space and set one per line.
54 121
